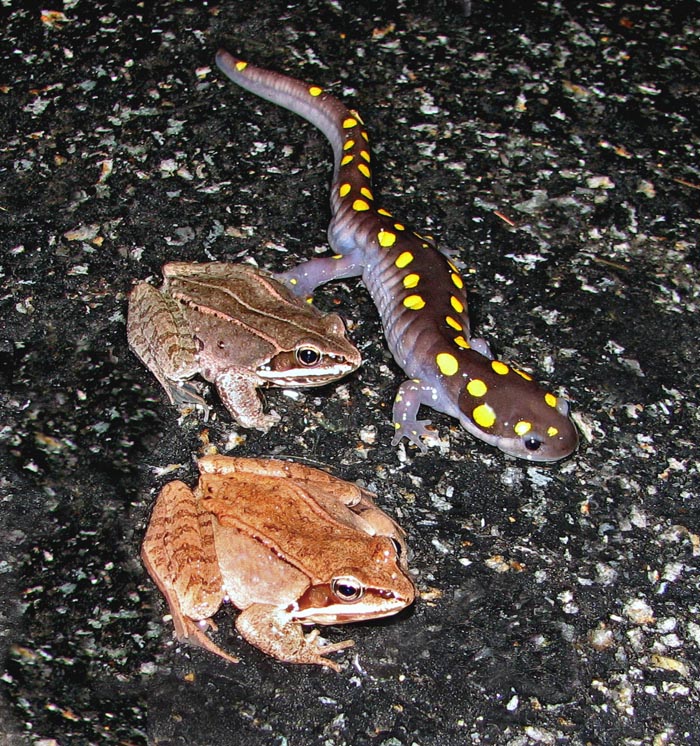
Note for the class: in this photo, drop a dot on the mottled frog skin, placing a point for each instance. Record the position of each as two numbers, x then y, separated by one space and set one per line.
419 293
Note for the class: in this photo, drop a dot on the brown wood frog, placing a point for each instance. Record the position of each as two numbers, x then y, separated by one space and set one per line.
238 328
287 544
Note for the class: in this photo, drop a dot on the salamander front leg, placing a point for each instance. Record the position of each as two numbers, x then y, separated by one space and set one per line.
307 276
480 345
409 397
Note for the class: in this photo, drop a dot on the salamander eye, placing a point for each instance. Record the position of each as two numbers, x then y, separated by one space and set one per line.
347 589
397 547
307 356
532 443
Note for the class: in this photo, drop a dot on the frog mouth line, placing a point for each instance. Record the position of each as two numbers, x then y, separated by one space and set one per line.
343 614
300 375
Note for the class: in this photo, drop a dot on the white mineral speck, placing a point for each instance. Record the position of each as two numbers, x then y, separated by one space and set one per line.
638 611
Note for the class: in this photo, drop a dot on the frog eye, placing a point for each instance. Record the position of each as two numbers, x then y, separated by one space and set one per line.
307 356
532 443
347 589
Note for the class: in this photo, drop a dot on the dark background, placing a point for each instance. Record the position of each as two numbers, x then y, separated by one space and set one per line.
559 603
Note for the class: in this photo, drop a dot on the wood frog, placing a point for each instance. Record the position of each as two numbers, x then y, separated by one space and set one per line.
238 328
287 544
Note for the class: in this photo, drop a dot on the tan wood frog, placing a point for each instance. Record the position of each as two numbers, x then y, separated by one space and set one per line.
287 544
238 328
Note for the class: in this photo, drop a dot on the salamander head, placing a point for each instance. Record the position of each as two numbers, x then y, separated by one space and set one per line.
510 411
555 441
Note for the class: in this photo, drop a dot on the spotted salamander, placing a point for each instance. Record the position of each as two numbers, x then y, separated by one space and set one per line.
419 293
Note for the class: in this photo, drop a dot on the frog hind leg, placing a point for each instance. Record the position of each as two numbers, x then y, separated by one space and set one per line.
178 552
159 334
273 631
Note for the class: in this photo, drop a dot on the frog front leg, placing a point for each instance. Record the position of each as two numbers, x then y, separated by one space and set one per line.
178 552
238 390
307 276
273 631
160 335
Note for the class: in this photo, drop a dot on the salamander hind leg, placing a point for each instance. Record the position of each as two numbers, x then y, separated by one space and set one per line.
307 276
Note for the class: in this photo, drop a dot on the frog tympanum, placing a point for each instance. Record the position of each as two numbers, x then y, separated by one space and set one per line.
239 328
287 544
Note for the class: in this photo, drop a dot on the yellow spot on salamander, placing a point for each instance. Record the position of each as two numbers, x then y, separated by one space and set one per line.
523 374
453 323
344 190
457 304
476 387
359 205
484 416
550 399
386 238
349 123
552 431
411 281
337 256
384 212
364 155
365 135
414 302
366 193
315 90
346 159
403 259
447 363
462 342
522 428
362 168
349 145
399 227
498 367
457 281
241 66
357 116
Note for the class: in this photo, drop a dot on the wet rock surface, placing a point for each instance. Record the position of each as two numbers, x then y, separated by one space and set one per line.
553 147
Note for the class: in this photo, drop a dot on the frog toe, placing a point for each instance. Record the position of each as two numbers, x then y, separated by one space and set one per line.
191 632
186 397
260 421
317 650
